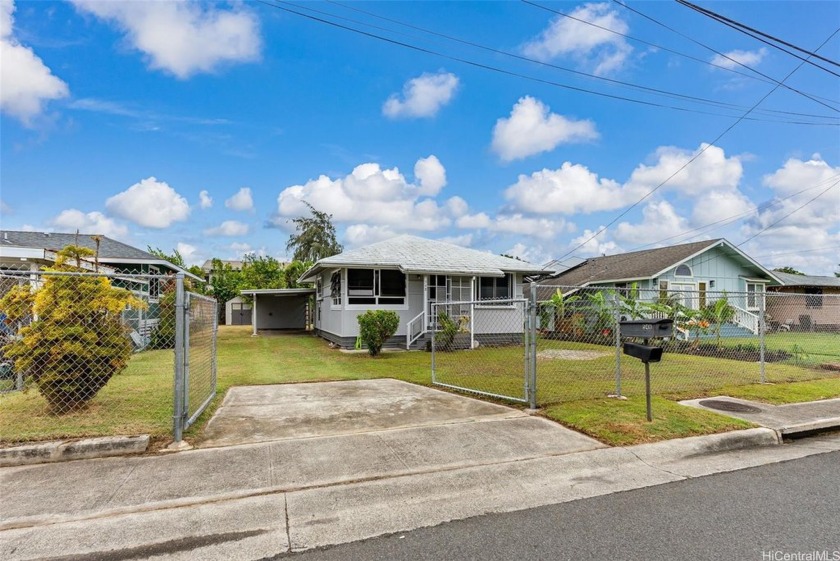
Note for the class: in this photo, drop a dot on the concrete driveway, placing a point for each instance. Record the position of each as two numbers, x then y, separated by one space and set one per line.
325 432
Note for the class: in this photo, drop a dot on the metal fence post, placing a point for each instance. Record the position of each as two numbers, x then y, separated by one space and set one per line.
762 327
213 362
178 397
617 332
434 312
532 350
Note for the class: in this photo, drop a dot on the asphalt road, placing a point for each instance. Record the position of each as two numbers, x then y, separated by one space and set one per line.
756 514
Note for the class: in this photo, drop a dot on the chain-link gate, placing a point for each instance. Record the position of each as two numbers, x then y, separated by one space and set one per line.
196 322
481 347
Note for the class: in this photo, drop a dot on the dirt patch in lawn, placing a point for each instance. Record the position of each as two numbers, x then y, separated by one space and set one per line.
564 354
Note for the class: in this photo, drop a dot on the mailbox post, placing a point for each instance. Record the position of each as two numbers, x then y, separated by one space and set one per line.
646 329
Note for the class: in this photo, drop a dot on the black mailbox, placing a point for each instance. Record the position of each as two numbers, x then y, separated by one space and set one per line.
646 328
644 353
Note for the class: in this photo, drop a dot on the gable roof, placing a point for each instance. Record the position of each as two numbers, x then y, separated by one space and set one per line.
108 248
644 264
412 254
110 251
807 280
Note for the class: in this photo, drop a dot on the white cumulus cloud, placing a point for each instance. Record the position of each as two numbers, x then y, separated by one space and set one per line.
191 254
422 96
228 228
27 82
72 219
796 175
712 170
733 58
373 196
431 175
659 221
241 200
150 203
183 38
532 128
205 200
595 48
570 189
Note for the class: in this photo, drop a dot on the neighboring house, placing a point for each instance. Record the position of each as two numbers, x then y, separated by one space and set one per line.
207 268
695 274
408 274
805 303
32 251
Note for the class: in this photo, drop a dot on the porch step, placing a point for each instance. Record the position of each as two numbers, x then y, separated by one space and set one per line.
420 343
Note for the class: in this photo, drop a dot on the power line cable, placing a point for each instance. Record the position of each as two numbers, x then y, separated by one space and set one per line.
693 158
752 32
724 55
525 76
544 63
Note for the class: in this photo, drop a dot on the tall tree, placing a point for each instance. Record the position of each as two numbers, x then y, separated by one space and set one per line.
292 273
788 270
225 284
262 272
314 236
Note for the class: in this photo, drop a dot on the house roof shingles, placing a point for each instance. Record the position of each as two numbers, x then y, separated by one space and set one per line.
634 265
807 280
420 255
108 248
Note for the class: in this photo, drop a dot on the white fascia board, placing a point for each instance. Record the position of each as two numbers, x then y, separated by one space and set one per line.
22 252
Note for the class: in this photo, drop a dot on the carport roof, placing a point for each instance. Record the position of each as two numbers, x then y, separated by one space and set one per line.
277 291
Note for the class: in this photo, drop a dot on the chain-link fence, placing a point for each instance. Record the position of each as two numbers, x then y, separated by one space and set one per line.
87 350
570 343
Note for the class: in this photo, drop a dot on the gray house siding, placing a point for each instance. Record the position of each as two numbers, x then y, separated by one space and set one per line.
340 325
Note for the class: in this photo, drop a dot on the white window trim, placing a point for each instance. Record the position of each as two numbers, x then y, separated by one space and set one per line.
763 292
156 279
377 306
690 270
342 293
490 305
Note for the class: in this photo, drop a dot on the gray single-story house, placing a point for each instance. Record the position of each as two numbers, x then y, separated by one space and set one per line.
695 274
409 274
805 303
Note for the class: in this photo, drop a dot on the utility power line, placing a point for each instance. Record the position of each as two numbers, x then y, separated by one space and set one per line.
724 55
747 30
693 158
543 63
525 76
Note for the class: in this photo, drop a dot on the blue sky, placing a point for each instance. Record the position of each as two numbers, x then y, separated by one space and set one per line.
204 126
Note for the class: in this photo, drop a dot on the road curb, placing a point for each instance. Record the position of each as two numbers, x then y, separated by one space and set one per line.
829 423
66 450
682 448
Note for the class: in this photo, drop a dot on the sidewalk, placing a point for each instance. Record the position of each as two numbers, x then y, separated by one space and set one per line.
254 501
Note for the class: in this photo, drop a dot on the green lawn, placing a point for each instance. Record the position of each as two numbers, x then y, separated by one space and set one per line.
139 400
809 348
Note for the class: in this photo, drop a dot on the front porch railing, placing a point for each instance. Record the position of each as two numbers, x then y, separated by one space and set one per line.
745 319
415 329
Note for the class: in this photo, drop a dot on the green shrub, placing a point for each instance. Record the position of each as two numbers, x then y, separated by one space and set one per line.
375 327
78 341
447 330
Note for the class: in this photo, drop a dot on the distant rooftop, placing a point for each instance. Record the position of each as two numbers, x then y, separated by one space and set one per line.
54 241
807 280
234 264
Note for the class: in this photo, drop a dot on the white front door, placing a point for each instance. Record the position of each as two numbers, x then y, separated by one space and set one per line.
684 293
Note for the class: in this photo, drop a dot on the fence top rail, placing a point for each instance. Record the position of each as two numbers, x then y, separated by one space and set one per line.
28 274
192 295
486 302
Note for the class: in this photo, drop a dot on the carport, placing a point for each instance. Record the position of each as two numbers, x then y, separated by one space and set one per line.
280 308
